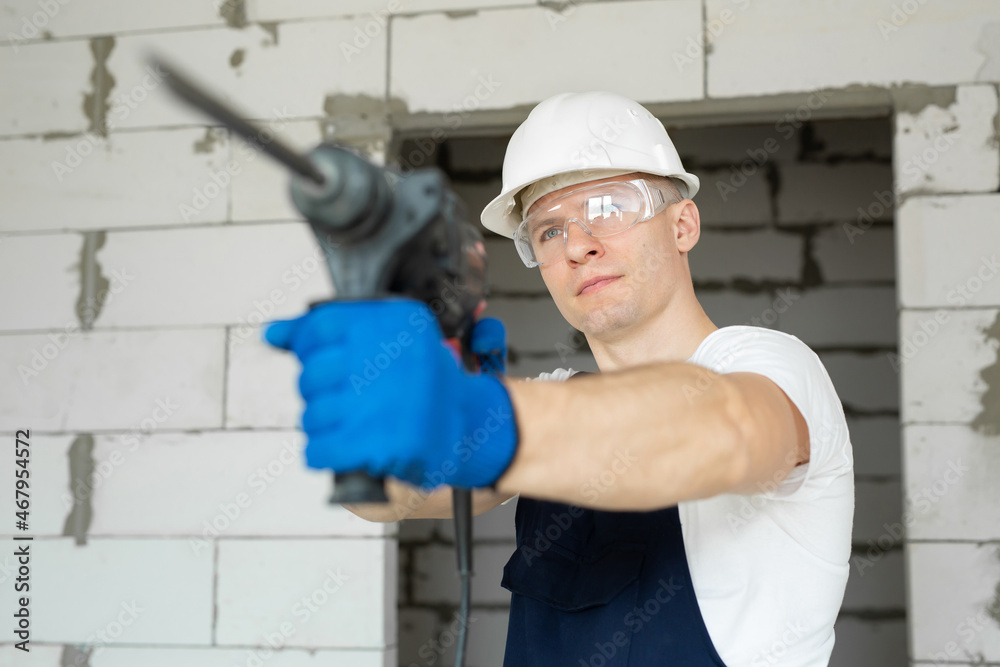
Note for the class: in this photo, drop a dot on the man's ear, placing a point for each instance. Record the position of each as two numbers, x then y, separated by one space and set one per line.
688 225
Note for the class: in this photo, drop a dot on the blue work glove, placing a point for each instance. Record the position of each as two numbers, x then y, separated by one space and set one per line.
385 394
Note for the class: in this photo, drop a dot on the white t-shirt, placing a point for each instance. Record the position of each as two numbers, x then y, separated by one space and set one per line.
769 569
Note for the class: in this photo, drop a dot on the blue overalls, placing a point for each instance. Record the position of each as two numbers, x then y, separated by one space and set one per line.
591 588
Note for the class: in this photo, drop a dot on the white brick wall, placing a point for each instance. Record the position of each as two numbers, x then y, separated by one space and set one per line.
953 149
818 215
481 79
856 42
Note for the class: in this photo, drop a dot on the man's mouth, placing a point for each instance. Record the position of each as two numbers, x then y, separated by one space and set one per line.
595 284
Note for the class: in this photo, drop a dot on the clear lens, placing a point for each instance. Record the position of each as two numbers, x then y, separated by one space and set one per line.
600 210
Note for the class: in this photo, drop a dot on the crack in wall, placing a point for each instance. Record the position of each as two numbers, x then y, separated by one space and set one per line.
989 46
95 103
914 99
81 472
987 421
71 656
272 28
94 285
234 13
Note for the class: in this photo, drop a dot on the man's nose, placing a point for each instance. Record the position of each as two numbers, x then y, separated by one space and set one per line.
579 243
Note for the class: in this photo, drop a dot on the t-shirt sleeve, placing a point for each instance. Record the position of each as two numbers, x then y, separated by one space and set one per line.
799 372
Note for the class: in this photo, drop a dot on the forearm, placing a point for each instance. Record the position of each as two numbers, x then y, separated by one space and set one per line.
637 439
404 501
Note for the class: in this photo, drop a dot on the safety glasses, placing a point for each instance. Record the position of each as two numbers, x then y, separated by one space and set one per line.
600 210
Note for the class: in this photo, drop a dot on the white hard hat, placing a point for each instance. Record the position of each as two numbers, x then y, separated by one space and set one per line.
571 138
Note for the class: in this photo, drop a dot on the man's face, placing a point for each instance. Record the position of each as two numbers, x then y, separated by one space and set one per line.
644 263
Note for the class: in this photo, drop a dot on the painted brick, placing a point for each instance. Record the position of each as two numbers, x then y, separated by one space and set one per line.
44 87
212 657
507 273
350 585
854 139
429 43
476 195
855 42
418 530
877 451
417 628
848 253
875 585
243 485
261 383
373 10
133 380
727 199
497 524
487 640
729 307
878 511
436 581
831 193
115 16
951 586
755 255
949 150
841 316
78 591
40 279
259 85
950 481
864 382
130 179
865 642
947 251
252 273
477 154
533 325
729 144
942 364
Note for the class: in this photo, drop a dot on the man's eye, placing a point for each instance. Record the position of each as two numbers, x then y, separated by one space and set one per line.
547 234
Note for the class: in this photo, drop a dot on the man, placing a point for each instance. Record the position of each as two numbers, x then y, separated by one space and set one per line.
691 504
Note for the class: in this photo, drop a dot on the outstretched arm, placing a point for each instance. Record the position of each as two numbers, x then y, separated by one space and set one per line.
649 437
